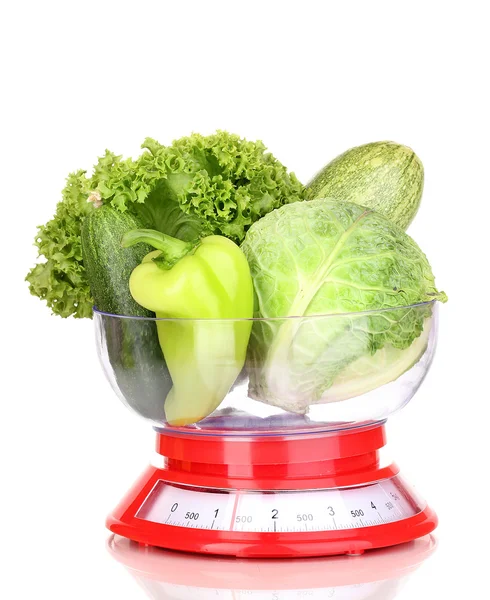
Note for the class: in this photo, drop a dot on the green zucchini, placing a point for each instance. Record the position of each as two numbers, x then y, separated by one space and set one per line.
107 264
134 351
384 176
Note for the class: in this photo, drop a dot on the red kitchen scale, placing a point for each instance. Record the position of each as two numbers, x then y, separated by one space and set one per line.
275 496
254 480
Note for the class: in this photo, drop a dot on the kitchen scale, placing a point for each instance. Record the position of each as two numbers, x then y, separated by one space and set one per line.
255 480
167 575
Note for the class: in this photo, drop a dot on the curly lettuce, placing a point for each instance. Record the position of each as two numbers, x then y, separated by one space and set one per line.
197 186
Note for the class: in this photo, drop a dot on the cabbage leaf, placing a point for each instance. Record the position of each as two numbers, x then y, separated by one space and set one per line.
326 257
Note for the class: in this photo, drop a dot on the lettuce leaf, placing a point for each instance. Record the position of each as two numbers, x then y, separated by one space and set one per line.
199 185
61 280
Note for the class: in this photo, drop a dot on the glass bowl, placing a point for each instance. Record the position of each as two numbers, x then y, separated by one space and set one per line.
298 374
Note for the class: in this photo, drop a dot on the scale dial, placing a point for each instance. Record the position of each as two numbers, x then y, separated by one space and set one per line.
358 507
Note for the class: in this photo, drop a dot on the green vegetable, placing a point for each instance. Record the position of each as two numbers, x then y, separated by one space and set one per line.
208 280
135 354
61 280
371 371
383 176
198 186
331 257
108 266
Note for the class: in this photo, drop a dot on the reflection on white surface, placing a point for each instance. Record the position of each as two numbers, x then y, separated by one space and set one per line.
164 575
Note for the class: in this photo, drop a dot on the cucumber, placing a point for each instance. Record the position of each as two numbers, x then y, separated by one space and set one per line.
384 176
107 264
134 351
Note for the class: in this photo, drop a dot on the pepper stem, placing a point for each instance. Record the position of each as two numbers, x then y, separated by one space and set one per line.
172 249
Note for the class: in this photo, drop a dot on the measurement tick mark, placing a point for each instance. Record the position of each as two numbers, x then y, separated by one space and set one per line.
212 525
233 516
275 528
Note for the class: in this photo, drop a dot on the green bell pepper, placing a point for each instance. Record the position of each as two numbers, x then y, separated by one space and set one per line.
201 289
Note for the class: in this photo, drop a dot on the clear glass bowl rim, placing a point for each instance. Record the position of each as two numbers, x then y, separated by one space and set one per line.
265 319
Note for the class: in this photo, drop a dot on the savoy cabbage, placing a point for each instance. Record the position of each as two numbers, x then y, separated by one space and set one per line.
345 294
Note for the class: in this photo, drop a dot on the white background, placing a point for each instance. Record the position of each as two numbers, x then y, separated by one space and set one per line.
311 79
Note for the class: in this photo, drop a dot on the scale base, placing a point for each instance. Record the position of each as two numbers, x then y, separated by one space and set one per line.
268 499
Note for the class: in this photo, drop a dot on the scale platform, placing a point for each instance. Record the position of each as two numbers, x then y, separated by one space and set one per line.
295 495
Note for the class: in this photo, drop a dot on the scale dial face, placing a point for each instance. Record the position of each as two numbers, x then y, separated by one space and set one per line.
369 505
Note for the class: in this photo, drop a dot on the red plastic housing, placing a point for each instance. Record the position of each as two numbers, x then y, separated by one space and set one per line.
304 462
